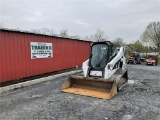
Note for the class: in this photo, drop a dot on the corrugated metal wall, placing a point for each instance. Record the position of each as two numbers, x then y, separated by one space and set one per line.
15 55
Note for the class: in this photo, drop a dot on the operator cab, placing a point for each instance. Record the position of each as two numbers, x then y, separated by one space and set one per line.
101 53
99 56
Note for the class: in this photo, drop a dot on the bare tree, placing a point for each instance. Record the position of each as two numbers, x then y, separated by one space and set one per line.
144 39
37 31
119 42
87 38
91 38
152 34
75 37
64 33
45 31
97 36
52 32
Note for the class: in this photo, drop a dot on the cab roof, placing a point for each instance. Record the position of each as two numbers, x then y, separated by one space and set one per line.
103 42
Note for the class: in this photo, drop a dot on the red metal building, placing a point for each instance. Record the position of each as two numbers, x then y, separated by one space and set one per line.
15 54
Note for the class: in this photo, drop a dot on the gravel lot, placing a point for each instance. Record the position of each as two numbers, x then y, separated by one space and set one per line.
139 100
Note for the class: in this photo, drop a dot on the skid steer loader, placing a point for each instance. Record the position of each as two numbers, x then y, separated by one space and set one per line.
105 72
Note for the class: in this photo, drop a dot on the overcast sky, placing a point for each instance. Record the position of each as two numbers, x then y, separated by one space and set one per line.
117 18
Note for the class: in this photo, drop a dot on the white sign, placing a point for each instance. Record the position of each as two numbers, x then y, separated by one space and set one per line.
41 50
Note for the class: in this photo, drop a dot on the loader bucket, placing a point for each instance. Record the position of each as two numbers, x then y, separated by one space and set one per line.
92 87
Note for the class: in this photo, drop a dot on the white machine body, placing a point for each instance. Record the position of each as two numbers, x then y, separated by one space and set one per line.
110 68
